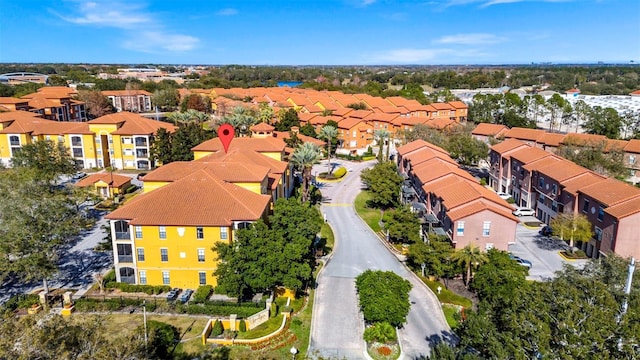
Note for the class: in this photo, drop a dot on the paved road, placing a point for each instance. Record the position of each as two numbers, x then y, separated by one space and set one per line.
542 251
337 325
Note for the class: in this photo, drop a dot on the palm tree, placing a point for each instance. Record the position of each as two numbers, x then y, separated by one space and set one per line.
303 158
381 135
188 116
241 119
328 133
471 257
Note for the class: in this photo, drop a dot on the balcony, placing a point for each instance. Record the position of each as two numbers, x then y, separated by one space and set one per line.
125 258
142 153
122 235
128 279
141 142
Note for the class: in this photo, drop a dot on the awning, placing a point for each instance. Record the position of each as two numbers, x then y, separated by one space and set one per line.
439 231
431 219
408 190
418 206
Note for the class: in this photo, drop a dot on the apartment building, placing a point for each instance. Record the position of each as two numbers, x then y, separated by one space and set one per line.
129 100
57 103
465 211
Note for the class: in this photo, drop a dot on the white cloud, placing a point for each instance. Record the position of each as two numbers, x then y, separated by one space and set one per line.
470 39
227 12
157 41
108 14
143 31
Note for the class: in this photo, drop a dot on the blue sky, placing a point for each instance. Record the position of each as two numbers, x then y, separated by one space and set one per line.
320 32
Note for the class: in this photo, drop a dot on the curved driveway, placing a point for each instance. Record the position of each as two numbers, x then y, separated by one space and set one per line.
337 324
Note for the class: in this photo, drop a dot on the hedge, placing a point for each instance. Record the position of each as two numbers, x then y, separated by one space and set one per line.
88 305
340 172
21 301
132 288
218 310
202 294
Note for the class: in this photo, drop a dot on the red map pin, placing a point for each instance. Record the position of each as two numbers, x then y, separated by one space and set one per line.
226 132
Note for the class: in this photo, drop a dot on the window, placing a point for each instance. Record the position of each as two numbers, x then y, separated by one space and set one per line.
585 206
600 213
541 182
140 141
138 232
128 152
14 140
143 277
60 138
224 235
77 152
598 233
122 230
124 253
486 228
199 233
202 278
200 255
632 159
140 254
165 278
460 228
554 189
76 141
162 232
164 255
126 140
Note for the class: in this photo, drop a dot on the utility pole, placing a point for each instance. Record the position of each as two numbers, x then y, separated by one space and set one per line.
144 318
627 288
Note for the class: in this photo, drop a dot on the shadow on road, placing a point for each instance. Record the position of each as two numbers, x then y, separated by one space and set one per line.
549 243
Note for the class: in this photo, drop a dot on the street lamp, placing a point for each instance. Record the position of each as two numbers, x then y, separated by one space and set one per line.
144 318
293 352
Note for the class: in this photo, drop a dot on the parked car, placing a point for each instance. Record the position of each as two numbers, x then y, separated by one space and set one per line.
172 295
79 175
521 261
524 212
504 195
186 295
546 230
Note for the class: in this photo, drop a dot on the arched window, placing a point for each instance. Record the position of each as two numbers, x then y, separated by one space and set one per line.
127 275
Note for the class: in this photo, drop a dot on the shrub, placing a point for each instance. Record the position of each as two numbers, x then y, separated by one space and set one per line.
382 332
21 301
340 172
161 338
243 326
202 294
384 351
217 328
483 182
131 189
110 276
132 288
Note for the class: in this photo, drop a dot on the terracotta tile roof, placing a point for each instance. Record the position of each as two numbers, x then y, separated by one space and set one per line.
611 192
541 163
342 111
458 104
411 121
264 127
285 135
576 183
246 155
442 106
584 139
562 170
382 117
305 117
269 144
391 109
633 146
475 207
437 168
53 92
615 145
321 120
527 155
350 122
461 191
486 129
572 91
360 114
133 124
39 101
418 144
372 101
524 134
400 101
24 122
551 139
12 100
442 124
633 93
625 208
114 180
507 146
227 171
126 92
199 199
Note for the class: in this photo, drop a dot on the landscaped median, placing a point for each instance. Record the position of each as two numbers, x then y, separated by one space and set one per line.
335 176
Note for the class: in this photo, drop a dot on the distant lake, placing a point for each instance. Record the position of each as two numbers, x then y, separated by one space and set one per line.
289 83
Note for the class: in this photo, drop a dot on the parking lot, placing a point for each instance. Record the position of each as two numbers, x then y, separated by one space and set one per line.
542 251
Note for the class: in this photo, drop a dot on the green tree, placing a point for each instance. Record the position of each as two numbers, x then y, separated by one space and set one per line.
382 136
471 257
185 138
435 255
37 221
265 113
241 119
573 227
598 157
402 225
328 133
188 116
423 132
308 130
49 160
303 159
287 119
383 297
277 253
604 121
555 106
161 147
383 182
499 277
466 149
381 332
166 99
358 106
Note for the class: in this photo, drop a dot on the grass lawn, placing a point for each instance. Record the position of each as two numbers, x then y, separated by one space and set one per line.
188 327
326 235
449 312
447 296
370 216
263 329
